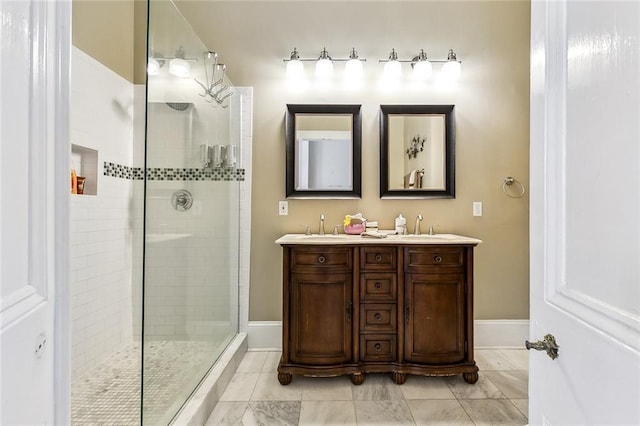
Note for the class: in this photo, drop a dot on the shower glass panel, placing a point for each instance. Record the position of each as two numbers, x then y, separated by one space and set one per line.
191 218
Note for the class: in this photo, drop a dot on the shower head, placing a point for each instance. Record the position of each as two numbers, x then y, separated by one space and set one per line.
179 106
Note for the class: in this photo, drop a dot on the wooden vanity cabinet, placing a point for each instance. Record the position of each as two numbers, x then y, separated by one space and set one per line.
317 311
392 308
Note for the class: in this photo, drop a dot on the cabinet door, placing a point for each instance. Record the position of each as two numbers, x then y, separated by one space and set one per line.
434 318
321 310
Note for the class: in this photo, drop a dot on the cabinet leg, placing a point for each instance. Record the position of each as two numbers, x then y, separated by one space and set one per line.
398 378
357 378
470 378
285 378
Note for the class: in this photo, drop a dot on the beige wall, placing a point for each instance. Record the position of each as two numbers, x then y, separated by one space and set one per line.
492 122
114 33
492 98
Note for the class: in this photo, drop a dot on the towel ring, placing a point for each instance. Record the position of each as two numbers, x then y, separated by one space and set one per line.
508 181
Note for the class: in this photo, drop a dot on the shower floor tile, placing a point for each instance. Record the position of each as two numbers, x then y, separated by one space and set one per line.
110 393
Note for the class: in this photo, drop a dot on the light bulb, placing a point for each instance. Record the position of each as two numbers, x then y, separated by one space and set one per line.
392 70
422 70
353 69
451 70
179 67
153 66
295 69
324 65
324 69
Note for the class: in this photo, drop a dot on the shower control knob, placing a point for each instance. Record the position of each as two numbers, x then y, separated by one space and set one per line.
182 200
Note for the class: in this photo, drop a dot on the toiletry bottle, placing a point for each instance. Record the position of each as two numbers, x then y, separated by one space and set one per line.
401 224
74 182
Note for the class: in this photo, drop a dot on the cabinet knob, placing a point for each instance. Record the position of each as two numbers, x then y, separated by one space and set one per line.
378 258
378 347
437 259
322 259
377 316
378 285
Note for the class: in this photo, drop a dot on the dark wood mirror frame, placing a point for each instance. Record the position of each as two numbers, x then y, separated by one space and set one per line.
449 175
290 138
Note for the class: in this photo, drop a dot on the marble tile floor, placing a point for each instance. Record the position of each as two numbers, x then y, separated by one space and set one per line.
255 397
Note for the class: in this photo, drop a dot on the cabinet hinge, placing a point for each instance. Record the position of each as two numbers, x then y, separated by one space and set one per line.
466 346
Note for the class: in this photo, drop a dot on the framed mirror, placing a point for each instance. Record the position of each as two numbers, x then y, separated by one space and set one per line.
417 155
323 151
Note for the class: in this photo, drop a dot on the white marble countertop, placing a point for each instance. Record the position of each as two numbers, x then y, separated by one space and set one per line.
344 239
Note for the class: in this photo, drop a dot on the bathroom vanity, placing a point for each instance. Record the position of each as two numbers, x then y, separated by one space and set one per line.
400 305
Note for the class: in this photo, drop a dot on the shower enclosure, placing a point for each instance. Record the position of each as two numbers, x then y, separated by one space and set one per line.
147 332
192 201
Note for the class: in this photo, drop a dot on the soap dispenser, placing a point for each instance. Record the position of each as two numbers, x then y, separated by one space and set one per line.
401 224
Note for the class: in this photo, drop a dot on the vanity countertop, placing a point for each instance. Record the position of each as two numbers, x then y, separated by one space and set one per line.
344 239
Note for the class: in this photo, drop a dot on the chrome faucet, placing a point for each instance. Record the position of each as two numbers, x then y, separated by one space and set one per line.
417 231
321 228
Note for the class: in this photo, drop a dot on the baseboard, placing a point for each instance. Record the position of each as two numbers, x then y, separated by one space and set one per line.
506 334
264 335
267 335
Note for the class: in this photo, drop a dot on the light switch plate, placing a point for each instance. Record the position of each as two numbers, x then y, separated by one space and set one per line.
477 208
283 208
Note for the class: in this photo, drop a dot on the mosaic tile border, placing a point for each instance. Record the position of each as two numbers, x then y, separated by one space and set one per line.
159 173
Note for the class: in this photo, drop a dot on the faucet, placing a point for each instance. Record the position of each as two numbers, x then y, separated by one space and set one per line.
417 228
321 228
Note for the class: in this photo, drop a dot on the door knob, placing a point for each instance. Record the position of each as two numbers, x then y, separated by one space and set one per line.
548 344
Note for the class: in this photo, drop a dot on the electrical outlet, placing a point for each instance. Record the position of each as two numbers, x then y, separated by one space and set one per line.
283 208
477 208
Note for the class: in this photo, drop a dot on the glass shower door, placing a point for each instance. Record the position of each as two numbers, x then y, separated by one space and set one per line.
191 219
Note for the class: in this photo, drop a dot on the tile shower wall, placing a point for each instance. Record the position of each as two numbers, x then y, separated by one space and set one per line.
107 229
191 292
101 225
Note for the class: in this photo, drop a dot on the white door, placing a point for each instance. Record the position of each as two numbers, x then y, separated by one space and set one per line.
34 195
585 212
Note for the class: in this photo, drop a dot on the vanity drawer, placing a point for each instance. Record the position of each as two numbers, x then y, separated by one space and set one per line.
377 347
378 258
321 258
433 259
378 287
378 317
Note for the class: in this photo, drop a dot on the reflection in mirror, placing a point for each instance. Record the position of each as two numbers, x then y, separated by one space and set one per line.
323 151
417 151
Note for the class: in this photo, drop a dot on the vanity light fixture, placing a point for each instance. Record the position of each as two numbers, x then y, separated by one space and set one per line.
178 66
392 68
295 67
422 67
153 66
324 65
451 69
353 69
